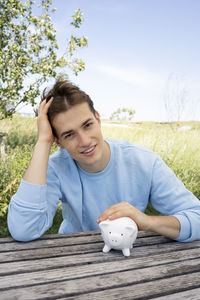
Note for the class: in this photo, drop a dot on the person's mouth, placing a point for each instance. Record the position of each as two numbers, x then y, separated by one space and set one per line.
89 151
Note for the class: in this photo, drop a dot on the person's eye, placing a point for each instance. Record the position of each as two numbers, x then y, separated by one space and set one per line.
68 136
88 125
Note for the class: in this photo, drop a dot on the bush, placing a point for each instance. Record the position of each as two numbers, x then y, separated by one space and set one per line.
18 140
11 172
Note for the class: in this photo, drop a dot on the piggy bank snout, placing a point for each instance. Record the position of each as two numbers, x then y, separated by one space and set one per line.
115 239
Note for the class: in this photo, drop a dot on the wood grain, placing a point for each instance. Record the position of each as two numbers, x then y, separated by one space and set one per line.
73 266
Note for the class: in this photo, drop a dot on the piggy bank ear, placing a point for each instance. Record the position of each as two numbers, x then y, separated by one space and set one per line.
103 225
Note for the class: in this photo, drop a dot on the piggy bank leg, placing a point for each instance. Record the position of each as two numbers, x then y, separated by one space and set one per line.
126 252
106 248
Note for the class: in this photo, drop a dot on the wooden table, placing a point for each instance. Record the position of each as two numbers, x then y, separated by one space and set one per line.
73 266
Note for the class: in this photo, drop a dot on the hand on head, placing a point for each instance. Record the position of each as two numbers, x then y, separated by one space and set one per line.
45 133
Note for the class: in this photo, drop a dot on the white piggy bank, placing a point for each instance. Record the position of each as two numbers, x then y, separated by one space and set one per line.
119 234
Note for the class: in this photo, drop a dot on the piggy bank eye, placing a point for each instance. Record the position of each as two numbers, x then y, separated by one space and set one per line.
110 232
121 234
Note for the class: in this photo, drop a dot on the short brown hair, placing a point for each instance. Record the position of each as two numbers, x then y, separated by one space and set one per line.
65 96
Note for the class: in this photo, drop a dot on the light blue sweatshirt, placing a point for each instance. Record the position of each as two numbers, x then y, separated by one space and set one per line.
133 174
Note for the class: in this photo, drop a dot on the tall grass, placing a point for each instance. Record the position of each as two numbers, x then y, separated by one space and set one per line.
179 149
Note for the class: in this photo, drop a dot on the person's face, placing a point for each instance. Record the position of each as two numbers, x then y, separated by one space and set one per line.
79 132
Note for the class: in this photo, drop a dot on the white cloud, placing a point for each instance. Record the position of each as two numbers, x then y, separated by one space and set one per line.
138 77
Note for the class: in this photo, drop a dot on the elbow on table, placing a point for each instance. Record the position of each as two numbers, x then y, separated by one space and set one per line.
25 225
21 235
190 222
20 232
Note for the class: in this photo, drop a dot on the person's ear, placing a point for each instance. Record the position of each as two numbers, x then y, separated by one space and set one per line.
97 116
58 143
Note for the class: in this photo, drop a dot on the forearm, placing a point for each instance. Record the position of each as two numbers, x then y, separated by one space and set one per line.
37 170
168 226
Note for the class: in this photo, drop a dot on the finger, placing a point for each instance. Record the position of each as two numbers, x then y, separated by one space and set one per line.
49 100
106 214
116 215
102 217
44 105
122 209
41 105
47 103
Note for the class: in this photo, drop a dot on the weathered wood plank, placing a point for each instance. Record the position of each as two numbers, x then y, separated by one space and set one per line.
148 290
95 232
56 236
65 272
193 294
49 252
75 234
66 249
70 240
68 260
147 277
67 241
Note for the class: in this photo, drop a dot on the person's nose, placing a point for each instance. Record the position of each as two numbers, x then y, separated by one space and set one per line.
84 139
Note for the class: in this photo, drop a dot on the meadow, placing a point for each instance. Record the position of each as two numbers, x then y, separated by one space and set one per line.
178 144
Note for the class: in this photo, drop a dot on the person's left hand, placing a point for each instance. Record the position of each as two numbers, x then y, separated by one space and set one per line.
125 209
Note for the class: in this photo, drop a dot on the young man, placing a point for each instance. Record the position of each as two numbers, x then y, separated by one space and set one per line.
95 179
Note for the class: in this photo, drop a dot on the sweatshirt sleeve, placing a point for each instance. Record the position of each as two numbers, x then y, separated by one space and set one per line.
32 208
170 197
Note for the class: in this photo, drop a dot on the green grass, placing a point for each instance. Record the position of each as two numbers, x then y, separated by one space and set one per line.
179 149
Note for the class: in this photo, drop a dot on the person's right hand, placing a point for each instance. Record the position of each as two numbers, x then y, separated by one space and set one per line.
45 133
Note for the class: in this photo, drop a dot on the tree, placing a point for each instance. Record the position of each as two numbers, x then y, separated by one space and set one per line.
176 97
29 50
122 114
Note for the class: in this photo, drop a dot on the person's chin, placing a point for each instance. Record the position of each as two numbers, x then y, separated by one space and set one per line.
90 160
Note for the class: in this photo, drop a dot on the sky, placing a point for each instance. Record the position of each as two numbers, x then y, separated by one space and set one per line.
140 54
